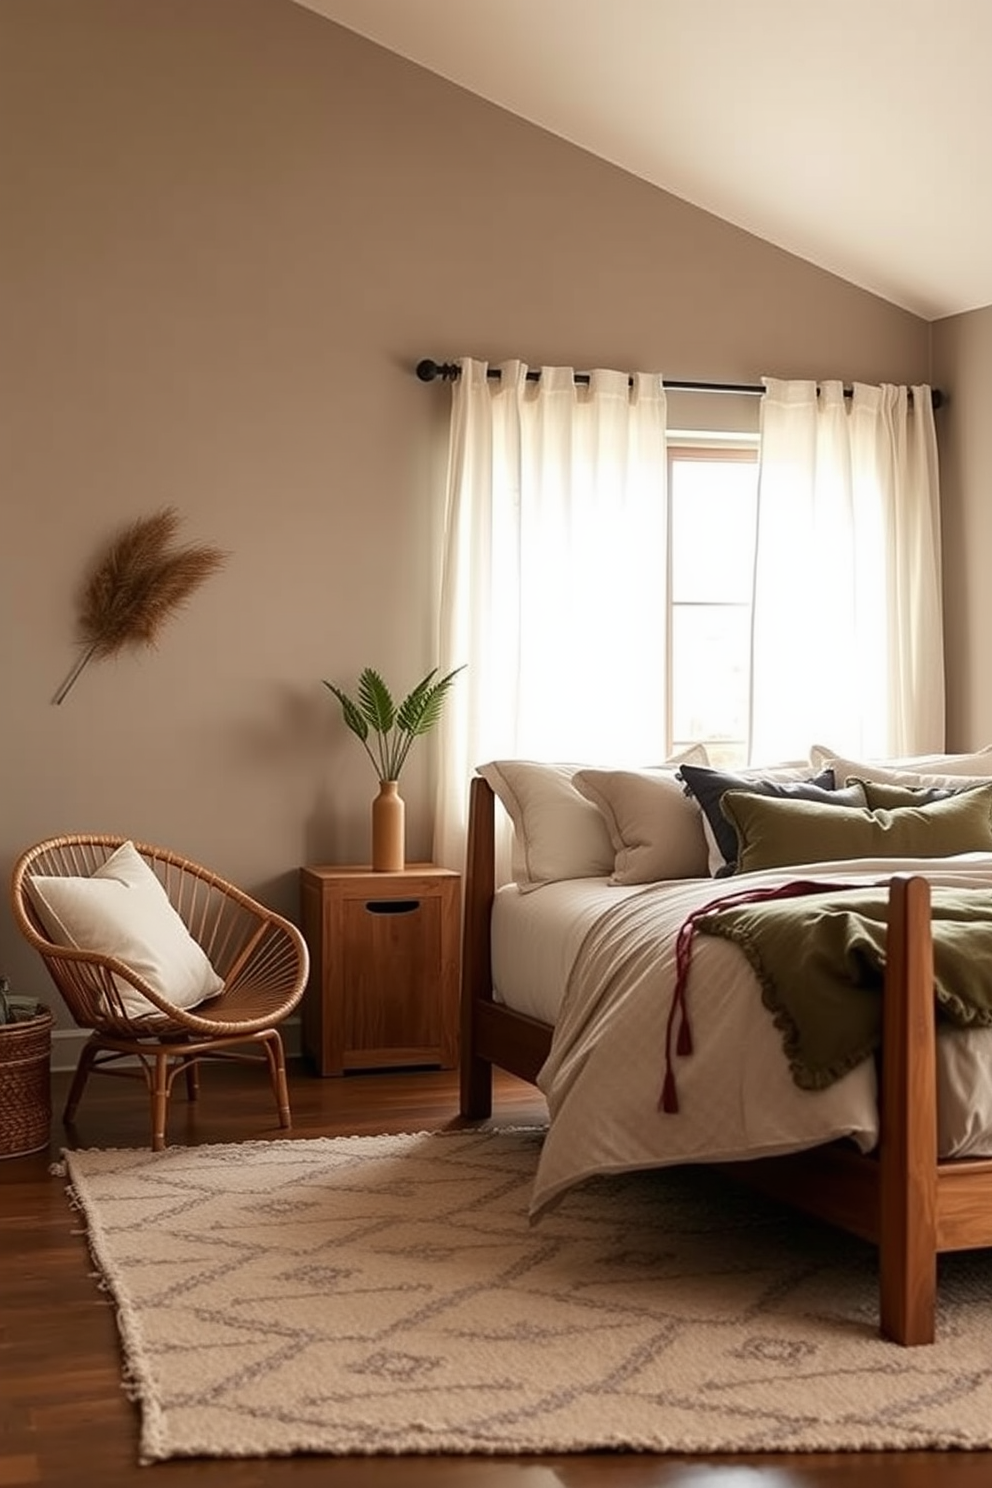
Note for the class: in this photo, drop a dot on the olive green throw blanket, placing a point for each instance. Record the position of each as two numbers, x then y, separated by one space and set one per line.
820 961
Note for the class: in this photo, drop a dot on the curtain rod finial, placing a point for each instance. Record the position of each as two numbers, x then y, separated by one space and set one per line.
428 370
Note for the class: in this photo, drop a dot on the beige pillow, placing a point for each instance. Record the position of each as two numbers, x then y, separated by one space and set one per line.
900 771
557 833
122 910
847 771
655 829
775 833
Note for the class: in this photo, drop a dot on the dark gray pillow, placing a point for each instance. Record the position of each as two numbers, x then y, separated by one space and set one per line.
708 787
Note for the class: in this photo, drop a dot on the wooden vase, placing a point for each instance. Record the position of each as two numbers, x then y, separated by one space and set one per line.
388 829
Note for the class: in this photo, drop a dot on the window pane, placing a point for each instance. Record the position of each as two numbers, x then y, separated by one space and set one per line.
712 544
727 755
710 672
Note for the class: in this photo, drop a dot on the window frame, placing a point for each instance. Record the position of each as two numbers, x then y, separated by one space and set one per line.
712 448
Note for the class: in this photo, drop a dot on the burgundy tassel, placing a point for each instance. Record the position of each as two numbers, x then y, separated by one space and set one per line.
669 1101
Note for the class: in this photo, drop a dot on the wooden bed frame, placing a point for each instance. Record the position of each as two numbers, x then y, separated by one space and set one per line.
900 1197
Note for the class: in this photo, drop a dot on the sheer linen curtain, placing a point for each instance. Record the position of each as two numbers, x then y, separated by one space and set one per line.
554 577
847 646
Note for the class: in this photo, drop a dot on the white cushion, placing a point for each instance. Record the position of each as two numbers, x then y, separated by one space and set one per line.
947 778
656 830
557 833
122 910
978 764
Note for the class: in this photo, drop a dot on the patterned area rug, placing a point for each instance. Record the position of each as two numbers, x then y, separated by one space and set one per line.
389 1295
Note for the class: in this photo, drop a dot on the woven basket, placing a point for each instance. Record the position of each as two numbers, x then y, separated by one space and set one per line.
25 1084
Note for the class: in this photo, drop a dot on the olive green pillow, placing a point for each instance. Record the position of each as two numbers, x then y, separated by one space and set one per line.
775 833
879 793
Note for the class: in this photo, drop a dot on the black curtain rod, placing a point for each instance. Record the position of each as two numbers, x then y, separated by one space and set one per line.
429 371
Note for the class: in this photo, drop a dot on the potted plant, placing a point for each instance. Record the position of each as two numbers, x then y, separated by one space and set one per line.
387 732
25 1073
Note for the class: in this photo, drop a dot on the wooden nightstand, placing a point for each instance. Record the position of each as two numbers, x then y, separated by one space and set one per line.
384 967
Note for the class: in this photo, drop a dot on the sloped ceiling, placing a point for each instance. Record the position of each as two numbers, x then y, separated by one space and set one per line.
856 134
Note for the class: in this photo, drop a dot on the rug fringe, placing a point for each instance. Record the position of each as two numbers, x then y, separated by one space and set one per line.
60 1168
152 1444
75 1204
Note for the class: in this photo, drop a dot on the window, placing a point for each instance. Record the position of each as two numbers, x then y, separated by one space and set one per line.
712 488
575 647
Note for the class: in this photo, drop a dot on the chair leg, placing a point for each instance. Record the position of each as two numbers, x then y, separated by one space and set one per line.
159 1090
83 1067
272 1043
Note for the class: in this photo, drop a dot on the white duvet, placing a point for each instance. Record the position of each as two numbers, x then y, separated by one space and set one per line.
610 953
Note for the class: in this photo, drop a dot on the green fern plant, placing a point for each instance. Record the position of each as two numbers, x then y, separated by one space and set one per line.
373 715
16 1009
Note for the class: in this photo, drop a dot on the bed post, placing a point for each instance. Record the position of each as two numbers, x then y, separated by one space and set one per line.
477 985
908 1111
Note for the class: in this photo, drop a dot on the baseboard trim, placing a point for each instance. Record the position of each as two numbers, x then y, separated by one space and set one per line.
67 1043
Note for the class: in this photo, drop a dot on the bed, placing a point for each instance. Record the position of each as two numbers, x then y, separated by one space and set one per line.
900 1150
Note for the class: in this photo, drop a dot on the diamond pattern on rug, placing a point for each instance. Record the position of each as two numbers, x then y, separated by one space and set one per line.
390 1295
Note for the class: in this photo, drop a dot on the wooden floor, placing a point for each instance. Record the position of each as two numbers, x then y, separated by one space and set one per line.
64 1419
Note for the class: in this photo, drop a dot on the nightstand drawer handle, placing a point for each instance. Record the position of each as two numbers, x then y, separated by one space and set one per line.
392 906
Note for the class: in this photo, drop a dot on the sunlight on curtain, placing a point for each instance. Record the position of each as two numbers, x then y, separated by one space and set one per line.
847 644
554 576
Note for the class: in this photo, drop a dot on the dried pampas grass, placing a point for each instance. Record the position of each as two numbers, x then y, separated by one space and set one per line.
139 582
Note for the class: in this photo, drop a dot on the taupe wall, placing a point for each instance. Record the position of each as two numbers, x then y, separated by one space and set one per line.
962 363
229 231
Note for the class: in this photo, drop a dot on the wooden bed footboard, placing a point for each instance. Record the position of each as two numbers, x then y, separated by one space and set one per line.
900 1197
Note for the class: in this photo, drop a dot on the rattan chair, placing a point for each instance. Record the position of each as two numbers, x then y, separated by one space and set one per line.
260 956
